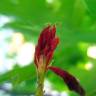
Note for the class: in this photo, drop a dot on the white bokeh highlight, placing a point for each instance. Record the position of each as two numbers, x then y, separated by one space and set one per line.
88 66
26 54
91 52
4 20
50 1
64 93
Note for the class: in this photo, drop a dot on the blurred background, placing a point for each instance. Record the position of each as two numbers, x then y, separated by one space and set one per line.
21 22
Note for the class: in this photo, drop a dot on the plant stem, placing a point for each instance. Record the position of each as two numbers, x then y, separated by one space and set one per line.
40 85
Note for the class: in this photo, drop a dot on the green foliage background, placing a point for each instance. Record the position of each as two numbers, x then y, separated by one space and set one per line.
76 27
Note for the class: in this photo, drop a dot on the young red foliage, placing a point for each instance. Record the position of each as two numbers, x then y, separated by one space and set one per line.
44 50
46 45
71 81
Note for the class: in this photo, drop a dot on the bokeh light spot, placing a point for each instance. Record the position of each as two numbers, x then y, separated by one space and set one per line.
91 52
88 66
26 54
50 1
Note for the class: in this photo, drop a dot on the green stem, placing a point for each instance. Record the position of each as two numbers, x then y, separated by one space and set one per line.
40 83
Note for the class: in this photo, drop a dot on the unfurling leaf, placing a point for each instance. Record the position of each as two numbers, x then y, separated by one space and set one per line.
46 45
71 81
